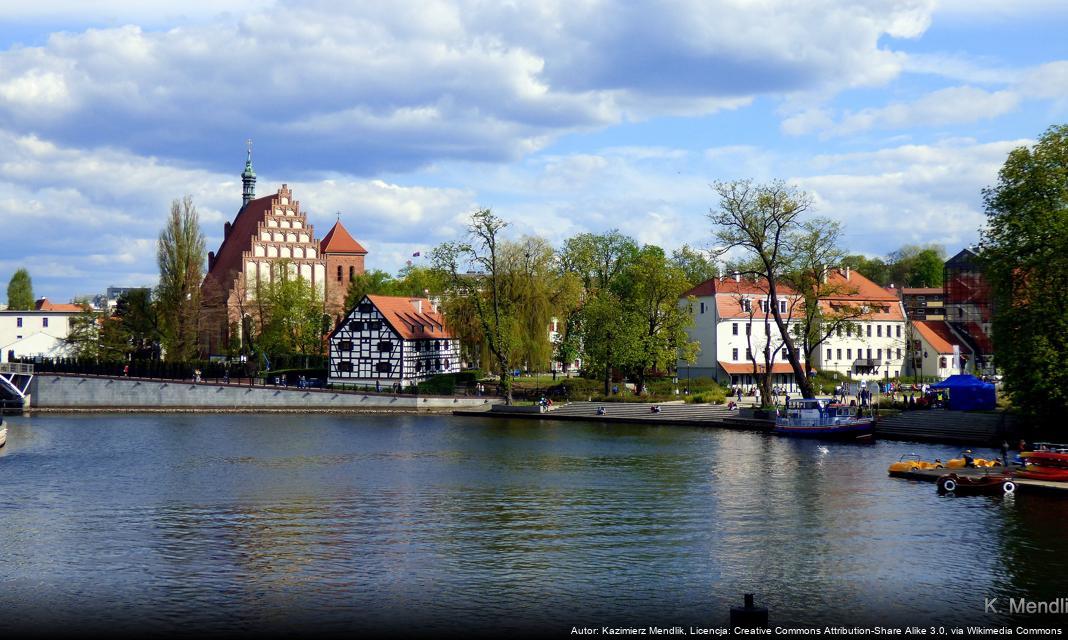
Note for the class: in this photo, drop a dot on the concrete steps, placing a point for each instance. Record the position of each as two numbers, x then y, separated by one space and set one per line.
629 410
951 426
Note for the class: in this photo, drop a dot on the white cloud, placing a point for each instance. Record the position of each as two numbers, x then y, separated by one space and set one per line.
953 105
403 84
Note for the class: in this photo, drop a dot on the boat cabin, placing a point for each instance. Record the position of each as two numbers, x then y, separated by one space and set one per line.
812 412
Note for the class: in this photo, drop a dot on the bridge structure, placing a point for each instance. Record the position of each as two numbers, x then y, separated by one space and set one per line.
15 379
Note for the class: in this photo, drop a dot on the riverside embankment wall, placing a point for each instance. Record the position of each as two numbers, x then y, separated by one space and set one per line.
58 391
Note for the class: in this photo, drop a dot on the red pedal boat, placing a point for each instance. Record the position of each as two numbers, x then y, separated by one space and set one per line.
1048 462
990 484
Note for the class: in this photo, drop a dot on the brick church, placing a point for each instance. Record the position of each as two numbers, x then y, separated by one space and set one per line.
267 231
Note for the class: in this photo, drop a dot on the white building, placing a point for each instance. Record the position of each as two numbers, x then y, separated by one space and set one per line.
873 344
40 332
732 321
387 340
932 349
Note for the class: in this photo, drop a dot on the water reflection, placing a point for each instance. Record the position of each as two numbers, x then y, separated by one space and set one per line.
244 521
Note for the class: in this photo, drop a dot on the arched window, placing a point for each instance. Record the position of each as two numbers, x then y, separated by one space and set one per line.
352 273
339 273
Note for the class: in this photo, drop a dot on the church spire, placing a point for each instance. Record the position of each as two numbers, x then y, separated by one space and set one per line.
248 179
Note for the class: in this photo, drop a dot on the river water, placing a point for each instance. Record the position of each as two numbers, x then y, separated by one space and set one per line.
434 523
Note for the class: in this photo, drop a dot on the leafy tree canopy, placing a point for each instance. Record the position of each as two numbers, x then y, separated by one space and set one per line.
20 291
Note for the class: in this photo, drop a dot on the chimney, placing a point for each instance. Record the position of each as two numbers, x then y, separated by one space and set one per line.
226 230
825 272
847 273
211 259
418 304
737 277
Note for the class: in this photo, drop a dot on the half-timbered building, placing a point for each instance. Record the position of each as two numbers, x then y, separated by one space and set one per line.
389 340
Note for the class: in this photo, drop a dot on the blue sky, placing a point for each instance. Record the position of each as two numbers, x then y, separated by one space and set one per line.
563 116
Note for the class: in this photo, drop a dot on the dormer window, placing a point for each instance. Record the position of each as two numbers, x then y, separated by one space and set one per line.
747 305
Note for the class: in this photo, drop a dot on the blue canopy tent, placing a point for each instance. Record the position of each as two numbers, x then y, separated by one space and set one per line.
968 393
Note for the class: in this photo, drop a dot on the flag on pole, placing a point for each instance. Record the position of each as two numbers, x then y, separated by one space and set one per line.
415 255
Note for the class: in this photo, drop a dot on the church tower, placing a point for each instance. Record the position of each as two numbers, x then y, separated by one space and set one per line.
344 261
248 179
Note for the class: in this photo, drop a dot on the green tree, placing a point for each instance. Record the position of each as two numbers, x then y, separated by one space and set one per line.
1024 251
697 265
83 337
760 220
289 312
917 266
651 291
20 292
137 314
180 254
368 282
611 335
484 286
874 269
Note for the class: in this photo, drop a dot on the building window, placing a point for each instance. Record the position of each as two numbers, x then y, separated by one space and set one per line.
748 354
942 362
838 330
44 322
734 328
828 354
782 306
375 325
898 331
352 273
356 325
344 366
446 363
849 354
879 354
437 345
767 329
879 330
849 331
747 305
869 332
383 367
869 353
385 346
344 345
838 354
899 353
419 366
18 322
702 309
734 355
365 307
764 306
748 328
339 273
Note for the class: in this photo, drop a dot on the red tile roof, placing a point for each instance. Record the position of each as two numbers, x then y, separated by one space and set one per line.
729 285
938 335
44 305
412 318
338 240
228 257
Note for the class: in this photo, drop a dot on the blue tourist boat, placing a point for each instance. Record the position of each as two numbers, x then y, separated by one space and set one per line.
824 418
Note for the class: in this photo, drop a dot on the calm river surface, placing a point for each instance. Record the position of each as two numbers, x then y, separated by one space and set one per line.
240 522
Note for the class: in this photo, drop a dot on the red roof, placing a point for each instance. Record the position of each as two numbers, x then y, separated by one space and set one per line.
412 318
228 257
338 240
729 285
938 335
735 368
44 305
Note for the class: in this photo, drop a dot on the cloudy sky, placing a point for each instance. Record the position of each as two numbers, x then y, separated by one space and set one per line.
563 116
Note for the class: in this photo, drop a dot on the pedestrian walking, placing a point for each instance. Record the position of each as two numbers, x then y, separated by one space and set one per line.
1004 453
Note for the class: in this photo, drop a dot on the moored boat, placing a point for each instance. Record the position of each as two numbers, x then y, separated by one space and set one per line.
1048 462
989 484
825 419
3 433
